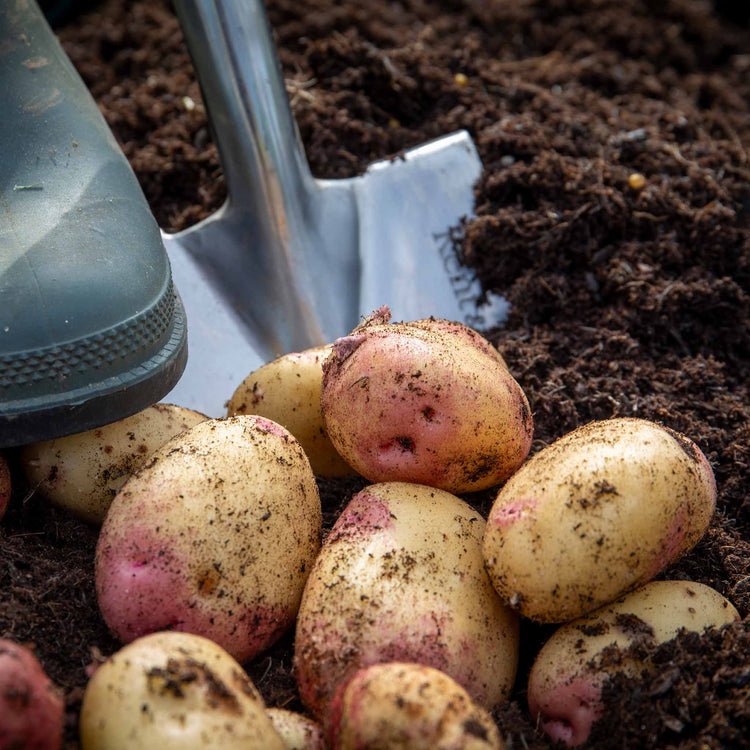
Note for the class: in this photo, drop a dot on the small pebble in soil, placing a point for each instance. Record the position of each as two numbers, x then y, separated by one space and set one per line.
636 181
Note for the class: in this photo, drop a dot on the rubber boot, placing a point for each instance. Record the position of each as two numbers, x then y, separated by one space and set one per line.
91 327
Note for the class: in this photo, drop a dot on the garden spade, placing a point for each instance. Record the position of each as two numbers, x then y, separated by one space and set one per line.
291 261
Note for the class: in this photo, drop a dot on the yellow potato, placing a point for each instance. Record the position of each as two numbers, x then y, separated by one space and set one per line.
83 472
287 391
403 706
174 691
401 578
566 680
597 513
297 731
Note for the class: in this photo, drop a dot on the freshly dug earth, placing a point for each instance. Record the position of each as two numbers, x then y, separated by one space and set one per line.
626 300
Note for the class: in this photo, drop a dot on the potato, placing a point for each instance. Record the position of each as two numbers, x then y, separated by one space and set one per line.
409 707
296 731
83 472
5 486
215 535
599 512
429 402
31 709
174 691
400 578
287 391
566 680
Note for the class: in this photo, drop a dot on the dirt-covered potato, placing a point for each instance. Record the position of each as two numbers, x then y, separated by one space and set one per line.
31 709
215 535
287 391
4 485
597 513
401 578
83 472
430 402
296 731
566 680
174 691
408 707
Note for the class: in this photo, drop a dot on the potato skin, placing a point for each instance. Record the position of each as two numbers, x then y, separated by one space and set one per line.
82 473
402 706
400 578
215 535
597 513
287 391
173 691
31 709
430 402
566 680
296 731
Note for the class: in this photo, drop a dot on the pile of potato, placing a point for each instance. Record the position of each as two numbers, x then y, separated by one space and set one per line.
408 616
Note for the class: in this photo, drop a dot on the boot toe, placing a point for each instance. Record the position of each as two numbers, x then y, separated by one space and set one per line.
91 327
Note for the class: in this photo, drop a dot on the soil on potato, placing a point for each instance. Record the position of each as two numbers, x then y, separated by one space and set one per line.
629 296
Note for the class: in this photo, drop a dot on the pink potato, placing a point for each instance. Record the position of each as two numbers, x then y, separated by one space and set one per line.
401 578
429 401
572 668
402 706
214 536
31 710
4 486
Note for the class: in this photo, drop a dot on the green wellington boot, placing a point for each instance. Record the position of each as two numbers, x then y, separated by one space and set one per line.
91 328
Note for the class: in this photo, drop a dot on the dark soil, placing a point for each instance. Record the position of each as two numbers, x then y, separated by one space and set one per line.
625 301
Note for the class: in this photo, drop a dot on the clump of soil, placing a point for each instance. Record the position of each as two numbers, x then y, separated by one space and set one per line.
629 296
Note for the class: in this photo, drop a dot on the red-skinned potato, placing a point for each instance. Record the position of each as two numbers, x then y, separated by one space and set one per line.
215 535
429 401
287 391
4 485
31 709
83 472
401 578
597 513
566 680
403 706
174 691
